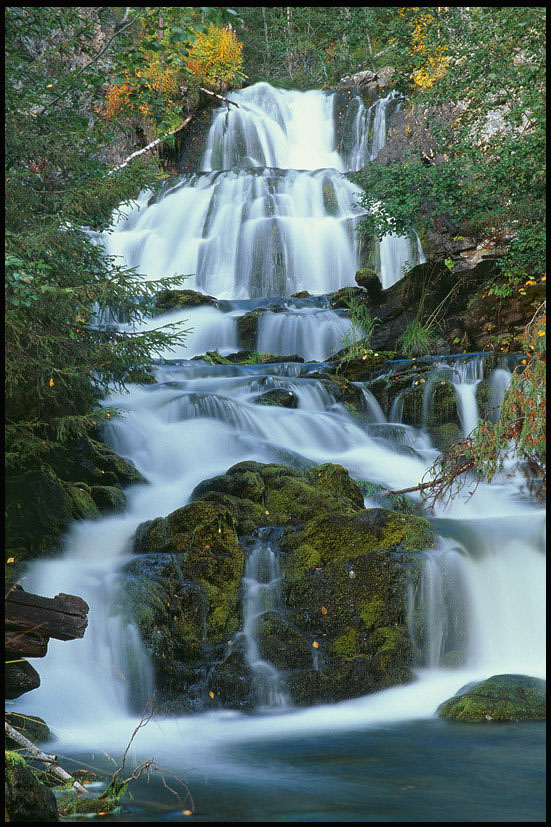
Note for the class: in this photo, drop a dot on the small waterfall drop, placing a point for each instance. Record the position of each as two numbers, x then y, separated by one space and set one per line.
262 595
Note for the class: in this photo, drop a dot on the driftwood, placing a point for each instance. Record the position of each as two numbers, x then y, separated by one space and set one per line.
220 97
51 760
31 620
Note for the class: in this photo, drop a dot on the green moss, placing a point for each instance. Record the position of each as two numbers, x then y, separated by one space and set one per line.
346 645
372 612
499 698
83 506
344 537
300 562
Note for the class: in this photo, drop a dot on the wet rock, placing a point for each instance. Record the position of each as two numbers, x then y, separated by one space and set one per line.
39 510
499 698
369 281
279 397
230 683
247 329
341 299
26 799
280 643
346 583
83 506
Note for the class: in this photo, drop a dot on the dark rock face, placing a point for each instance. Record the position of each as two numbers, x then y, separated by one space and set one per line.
340 631
26 798
499 698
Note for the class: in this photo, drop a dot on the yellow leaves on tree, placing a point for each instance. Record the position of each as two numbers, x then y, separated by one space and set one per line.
216 58
433 59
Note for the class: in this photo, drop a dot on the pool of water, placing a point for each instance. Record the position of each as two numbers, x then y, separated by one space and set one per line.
431 770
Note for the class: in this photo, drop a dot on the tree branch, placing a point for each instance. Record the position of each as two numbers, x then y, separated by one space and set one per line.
220 97
37 753
152 145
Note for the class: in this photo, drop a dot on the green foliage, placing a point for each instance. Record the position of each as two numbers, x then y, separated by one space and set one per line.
520 431
363 325
305 47
417 339
60 357
489 174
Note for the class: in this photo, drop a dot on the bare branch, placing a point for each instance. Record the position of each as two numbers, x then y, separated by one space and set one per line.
51 760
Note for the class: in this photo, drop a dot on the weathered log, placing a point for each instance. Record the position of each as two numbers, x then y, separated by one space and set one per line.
63 617
26 644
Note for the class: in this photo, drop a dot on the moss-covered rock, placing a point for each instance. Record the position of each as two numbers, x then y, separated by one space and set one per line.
26 799
280 643
230 683
83 505
39 509
445 435
430 403
499 698
31 726
346 584
340 300
347 571
108 498
174 299
247 329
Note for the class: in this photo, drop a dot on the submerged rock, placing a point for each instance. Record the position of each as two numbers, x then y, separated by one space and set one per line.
499 698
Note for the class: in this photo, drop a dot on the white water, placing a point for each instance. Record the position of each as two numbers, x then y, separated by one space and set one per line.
199 420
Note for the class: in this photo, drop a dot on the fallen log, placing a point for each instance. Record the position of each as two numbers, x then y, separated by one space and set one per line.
51 760
31 620
64 616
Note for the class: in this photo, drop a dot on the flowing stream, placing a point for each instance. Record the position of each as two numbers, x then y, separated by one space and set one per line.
271 213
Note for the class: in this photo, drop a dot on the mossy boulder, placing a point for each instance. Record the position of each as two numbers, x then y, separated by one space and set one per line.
499 698
183 592
287 495
83 505
346 584
346 575
280 643
279 397
31 726
173 299
340 300
26 799
98 464
108 498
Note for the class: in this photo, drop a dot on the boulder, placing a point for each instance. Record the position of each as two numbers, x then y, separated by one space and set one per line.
26 799
499 698
173 299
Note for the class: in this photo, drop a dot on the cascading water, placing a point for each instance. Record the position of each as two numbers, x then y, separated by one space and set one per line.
247 232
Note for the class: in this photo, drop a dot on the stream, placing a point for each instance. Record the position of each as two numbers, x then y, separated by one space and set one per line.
272 213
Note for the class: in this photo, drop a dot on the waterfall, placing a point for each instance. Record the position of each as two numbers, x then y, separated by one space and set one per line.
271 214
262 595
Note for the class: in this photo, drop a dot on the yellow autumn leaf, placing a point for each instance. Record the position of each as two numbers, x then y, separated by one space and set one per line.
316 645
52 383
323 610
211 694
10 560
